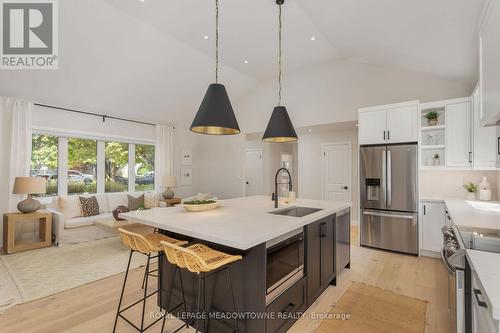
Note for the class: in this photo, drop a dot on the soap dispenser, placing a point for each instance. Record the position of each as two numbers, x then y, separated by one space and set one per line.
484 190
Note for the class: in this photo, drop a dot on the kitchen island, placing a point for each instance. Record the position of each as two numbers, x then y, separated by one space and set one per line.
253 228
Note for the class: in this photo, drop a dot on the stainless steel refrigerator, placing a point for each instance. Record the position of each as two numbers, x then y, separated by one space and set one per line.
388 195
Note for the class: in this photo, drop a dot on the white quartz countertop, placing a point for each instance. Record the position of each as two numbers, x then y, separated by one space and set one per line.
240 223
478 214
487 267
481 214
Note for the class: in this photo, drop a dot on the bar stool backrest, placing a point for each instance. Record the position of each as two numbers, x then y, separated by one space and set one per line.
185 258
136 242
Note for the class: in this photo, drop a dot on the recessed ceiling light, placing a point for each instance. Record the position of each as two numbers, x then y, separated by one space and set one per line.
205 37
246 61
141 0
313 38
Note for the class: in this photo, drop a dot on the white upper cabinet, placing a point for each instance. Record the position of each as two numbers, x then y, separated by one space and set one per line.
402 124
458 135
484 138
372 127
393 123
490 64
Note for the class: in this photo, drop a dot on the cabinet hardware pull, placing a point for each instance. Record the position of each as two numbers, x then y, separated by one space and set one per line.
322 232
424 209
389 135
470 157
289 308
477 292
384 137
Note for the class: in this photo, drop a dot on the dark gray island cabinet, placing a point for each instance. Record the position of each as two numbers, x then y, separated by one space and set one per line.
326 252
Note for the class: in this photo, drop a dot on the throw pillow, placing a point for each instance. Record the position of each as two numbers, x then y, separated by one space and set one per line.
151 200
89 206
135 203
70 207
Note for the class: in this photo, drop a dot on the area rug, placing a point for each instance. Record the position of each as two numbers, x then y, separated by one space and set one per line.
9 294
48 271
369 309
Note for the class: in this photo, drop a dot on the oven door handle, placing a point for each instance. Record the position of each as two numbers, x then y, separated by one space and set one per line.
289 308
446 264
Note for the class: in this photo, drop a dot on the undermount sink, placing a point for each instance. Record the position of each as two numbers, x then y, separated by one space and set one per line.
296 211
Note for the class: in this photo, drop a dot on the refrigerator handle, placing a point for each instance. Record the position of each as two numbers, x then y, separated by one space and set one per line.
389 178
384 176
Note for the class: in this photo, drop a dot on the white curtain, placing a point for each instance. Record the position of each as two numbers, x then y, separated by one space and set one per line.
15 142
164 161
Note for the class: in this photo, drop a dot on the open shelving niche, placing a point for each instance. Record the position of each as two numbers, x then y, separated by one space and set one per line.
433 139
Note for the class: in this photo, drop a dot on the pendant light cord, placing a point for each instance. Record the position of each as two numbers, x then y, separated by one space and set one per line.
279 55
216 41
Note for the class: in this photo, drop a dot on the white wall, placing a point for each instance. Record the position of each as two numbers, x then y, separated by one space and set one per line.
333 92
449 183
310 160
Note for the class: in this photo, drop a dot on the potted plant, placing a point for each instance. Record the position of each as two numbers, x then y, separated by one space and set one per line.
432 118
436 159
471 191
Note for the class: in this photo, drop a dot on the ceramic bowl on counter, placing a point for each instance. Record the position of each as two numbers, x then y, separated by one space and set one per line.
200 205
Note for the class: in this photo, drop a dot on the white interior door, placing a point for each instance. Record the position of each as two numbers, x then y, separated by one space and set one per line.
253 172
336 177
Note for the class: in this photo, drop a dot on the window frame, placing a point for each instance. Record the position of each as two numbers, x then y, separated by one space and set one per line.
62 150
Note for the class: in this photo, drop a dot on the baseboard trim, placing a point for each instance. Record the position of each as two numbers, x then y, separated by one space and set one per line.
430 254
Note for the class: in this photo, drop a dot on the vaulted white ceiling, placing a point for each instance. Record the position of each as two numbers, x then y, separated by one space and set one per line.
149 60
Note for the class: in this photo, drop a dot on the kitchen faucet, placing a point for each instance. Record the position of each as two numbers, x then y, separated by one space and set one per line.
275 194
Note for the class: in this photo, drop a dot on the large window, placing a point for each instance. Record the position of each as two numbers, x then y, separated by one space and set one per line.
44 157
144 167
82 166
116 162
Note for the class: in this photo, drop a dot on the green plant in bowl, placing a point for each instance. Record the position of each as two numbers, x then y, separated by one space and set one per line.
199 202
432 118
471 187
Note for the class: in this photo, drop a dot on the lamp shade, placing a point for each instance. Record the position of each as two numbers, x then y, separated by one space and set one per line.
169 181
280 127
215 115
29 185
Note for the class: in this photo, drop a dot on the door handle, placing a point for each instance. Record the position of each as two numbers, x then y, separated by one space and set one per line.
322 232
398 216
477 292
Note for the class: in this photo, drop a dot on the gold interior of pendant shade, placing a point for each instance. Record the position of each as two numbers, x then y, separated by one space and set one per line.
214 130
280 139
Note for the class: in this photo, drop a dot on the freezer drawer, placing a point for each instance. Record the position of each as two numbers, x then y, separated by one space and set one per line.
393 231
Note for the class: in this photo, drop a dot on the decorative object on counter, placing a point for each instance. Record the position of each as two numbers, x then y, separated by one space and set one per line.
436 160
169 184
280 127
187 157
291 197
170 202
432 118
200 205
215 115
484 190
29 186
471 191
119 210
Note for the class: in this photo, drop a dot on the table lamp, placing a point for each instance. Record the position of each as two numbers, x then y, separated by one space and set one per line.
29 186
169 183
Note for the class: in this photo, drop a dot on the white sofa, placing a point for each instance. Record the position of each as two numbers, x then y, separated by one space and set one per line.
69 227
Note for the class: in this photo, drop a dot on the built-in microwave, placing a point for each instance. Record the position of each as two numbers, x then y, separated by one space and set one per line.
285 263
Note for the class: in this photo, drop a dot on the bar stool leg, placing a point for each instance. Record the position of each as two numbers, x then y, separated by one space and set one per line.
183 296
146 271
232 294
198 304
145 299
123 289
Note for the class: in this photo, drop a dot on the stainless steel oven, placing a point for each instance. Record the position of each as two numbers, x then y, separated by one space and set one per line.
285 263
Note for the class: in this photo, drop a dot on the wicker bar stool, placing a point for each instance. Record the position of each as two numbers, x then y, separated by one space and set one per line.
201 259
143 244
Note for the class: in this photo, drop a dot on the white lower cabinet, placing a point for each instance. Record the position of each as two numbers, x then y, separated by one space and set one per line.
433 219
482 319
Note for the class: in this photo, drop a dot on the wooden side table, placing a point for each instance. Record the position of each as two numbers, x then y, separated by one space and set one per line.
170 202
12 220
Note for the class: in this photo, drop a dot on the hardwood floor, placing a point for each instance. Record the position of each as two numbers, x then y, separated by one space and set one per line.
92 307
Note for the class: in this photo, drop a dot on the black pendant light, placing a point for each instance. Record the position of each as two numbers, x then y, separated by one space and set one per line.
280 127
215 115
